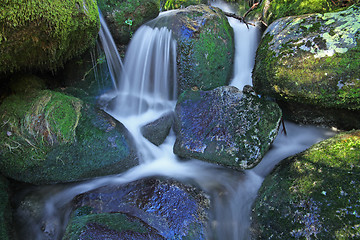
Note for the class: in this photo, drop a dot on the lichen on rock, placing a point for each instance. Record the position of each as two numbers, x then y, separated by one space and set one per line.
312 59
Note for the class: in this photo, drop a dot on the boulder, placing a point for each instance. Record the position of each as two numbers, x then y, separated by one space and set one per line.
275 9
6 232
49 137
309 64
157 131
205 46
124 17
313 195
161 208
225 126
45 34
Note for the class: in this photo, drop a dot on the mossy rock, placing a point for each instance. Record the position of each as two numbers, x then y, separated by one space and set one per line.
124 17
313 195
50 137
275 9
313 60
45 34
176 4
225 126
5 210
162 208
205 46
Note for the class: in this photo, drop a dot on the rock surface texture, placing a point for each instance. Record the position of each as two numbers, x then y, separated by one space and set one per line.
225 126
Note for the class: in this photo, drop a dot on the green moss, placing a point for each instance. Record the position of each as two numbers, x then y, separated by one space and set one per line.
33 123
112 221
45 34
314 193
126 16
175 4
206 49
312 61
283 8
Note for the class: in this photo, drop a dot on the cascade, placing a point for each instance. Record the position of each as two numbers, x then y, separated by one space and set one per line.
147 80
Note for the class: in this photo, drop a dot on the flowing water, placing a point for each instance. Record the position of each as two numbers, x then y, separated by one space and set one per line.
138 99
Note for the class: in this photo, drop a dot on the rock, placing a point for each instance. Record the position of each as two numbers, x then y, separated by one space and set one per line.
275 9
313 195
43 35
49 137
307 64
124 17
225 126
166 209
157 131
205 46
6 230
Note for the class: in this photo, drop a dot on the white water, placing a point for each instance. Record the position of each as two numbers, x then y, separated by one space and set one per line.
232 192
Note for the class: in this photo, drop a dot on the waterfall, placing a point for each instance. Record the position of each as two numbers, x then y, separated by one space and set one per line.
148 77
144 89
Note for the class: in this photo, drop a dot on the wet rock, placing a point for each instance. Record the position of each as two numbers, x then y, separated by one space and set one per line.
124 17
5 210
58 30
225 126
307 64
50 137
313 195
157 131
205 46
164 209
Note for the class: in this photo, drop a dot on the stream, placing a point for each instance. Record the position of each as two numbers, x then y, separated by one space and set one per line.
151 92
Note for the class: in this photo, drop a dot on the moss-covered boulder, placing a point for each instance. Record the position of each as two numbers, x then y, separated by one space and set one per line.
275 9
5 210
313 195
124 17
205 46
225 126
49 137
311 65
160 208
45 34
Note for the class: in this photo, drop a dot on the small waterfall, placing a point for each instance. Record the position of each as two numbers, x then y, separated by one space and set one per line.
148 79
113 59
145 89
